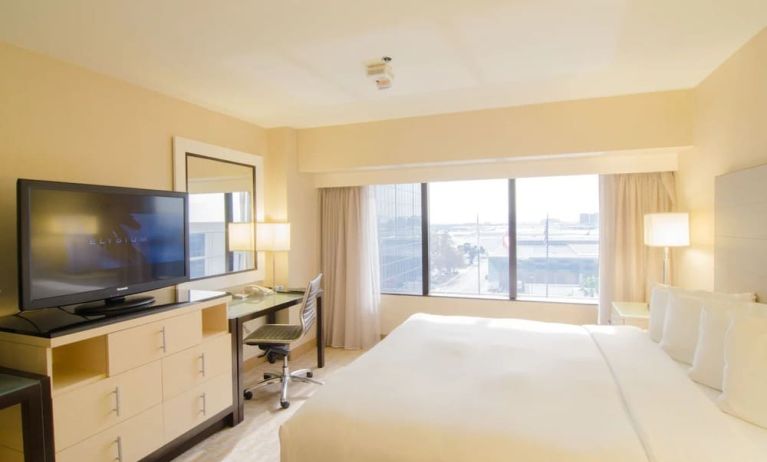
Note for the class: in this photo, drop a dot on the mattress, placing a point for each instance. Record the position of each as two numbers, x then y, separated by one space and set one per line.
462 389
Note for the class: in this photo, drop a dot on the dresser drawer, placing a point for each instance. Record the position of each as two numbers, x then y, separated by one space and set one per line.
186 369
90 409
194 406
126 442
133 347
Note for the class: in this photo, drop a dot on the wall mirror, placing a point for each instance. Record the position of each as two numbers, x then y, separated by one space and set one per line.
221 210
223 187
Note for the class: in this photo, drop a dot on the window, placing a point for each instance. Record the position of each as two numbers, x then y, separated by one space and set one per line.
558 237
399 238
469 238
550 252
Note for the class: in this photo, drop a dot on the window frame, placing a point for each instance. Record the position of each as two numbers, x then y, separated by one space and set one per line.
512 226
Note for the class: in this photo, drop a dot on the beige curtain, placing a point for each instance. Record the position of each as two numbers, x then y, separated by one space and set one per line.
349 252
628 268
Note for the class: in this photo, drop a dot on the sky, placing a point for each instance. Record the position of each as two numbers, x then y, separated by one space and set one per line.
561 197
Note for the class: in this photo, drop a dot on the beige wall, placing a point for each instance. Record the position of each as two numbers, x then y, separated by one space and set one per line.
730 133
636 161
645 121
292 197
61 122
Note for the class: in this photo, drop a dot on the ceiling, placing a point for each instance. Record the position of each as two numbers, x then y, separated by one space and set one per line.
301 63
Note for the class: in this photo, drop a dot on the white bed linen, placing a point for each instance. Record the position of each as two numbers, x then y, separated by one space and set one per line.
466 389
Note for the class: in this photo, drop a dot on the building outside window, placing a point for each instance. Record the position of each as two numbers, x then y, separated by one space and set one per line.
469 238
558 237
399 238
553 248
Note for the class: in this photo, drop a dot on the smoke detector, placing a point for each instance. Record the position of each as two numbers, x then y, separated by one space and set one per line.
381 72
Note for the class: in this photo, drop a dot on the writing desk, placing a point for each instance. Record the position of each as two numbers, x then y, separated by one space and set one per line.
32 392
244 310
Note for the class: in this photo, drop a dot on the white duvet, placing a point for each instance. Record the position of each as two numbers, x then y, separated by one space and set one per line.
465 389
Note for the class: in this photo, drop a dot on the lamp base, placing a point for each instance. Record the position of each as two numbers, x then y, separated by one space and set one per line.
667 266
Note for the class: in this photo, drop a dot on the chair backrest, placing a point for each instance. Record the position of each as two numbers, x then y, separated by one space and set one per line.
309 306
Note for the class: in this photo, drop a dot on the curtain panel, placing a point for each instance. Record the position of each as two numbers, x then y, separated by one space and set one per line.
349 253
627 268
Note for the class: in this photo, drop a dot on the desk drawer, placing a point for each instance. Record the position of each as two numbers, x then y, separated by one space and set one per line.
187 369
126 442
85 411
195 406
133 347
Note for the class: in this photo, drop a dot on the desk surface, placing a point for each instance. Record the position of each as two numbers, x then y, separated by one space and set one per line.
13 383
241 307
638 310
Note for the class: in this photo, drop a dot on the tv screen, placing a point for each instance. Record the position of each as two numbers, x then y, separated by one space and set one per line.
81 243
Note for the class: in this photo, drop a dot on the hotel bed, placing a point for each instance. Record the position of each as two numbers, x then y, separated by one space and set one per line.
461 389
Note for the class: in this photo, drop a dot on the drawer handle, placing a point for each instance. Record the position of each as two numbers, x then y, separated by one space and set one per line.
202 364
204 397
164 342
116 392
119 442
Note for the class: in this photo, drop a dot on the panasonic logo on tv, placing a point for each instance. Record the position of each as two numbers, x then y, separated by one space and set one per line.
120 289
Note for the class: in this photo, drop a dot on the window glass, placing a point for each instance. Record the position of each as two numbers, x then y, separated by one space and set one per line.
558 237
469 238
399 238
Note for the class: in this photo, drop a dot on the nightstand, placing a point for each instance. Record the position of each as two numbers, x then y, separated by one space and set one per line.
630 314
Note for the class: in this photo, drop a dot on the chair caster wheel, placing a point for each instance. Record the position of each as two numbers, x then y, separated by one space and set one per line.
310 374
248 394
284 404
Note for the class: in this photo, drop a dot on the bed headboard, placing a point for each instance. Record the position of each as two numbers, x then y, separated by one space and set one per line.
740 232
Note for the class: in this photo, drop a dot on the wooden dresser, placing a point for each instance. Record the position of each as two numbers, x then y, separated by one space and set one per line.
132 388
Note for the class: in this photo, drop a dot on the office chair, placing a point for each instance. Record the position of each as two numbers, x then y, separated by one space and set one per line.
274 340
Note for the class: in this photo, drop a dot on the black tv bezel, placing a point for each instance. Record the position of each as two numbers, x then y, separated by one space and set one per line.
23 189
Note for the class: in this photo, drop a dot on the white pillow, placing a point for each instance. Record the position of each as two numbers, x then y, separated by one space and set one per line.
708 361
680 326
745 371
658 302
721 296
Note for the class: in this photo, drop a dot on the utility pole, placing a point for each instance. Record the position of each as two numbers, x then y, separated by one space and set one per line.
479 260
546 243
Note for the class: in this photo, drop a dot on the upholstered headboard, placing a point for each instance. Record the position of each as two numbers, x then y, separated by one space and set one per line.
740 230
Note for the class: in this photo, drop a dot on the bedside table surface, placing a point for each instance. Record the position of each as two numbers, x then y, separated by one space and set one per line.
632 309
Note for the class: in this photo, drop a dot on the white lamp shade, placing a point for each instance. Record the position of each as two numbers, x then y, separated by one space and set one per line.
274 237
667 229
241 237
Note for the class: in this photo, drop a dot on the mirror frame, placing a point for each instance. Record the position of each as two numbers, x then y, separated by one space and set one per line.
184 146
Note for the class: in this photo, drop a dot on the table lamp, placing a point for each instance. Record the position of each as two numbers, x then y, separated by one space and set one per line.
667 230
273 237
241 238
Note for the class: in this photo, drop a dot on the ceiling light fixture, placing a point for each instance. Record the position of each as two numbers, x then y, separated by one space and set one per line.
381 72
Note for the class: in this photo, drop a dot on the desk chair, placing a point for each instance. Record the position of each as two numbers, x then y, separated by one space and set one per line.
275 339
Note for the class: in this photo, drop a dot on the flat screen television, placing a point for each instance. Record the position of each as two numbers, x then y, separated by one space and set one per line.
81 243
